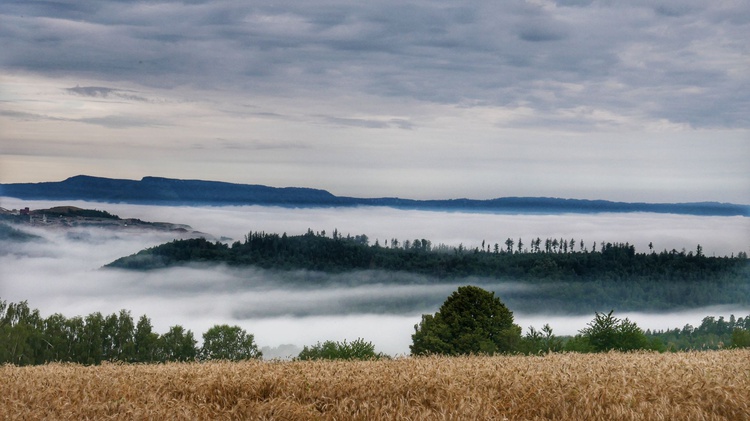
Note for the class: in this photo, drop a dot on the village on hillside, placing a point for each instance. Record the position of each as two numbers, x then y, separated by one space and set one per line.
74 217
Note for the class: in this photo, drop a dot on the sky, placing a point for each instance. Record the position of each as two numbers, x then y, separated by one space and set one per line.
644 100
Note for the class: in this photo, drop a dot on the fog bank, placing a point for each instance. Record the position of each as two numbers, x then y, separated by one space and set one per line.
63 273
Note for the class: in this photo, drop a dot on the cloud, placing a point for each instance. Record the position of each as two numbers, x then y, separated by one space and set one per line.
20 115
357 122
121 122
368 123
421 50
103 92
112 121
481 91
542 30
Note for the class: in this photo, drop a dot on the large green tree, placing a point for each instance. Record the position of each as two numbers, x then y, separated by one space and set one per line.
224 342
470 321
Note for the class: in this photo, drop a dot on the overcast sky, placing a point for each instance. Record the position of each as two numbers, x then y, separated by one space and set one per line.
639 100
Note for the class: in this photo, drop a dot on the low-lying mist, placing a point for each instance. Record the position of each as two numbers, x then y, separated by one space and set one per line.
63 273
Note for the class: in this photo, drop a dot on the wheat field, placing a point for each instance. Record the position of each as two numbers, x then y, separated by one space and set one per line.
613 386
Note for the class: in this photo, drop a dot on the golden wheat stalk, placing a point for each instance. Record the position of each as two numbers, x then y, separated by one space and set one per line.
613 386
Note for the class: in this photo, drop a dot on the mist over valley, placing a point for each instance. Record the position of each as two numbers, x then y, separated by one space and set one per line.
62 272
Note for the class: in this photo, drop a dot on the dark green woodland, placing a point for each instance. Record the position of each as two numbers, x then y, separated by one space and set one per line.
567 276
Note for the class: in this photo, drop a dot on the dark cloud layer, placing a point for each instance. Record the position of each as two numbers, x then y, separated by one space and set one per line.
684 62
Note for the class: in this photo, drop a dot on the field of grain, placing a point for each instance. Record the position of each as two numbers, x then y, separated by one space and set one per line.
614 386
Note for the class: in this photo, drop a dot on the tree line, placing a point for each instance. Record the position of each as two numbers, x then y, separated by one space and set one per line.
712 333
27 338
613 276
556 260
470 321
475 321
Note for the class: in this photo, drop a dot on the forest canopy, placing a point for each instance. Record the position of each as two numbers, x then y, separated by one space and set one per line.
568 275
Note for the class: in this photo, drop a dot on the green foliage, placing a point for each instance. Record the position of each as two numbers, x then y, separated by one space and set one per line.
607 332
578 343
540 342
566 278
26 338
740 338
20 333
466 323
712 333
177 345
72 211
232 343
471 321
358 349
146 341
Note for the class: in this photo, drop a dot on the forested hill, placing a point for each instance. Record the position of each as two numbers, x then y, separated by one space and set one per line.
569 277
166 191
548 260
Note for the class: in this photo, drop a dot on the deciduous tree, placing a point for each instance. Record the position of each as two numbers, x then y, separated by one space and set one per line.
177 345
224 342
470 321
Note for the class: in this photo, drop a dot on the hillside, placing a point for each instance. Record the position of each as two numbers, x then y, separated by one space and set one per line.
70 217
163 190
565 280
166 191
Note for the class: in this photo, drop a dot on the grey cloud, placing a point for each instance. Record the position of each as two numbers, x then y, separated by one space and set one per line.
367 123
485 53
539 35
402 124
357 122
575 3
268 114
93 91
67 9
250 145
111 121
672 9
541 30
20 115
103 92
365 298
120 122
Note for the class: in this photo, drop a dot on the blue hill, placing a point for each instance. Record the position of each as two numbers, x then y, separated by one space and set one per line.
167 191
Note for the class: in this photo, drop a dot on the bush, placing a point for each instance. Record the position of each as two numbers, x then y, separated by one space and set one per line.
359 349
607 332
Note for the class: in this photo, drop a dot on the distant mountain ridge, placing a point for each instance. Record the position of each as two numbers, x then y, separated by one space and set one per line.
162 190
168 191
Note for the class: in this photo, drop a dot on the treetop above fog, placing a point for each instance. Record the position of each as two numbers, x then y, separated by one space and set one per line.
560 276
551 259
